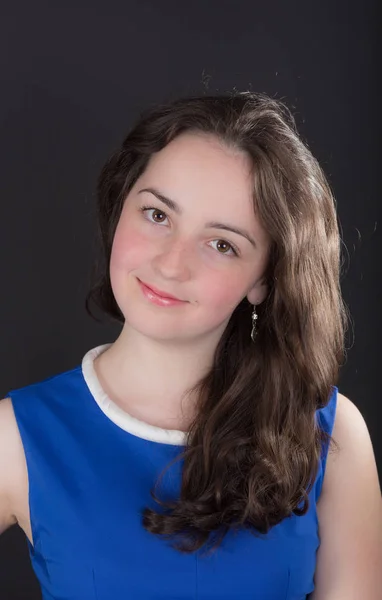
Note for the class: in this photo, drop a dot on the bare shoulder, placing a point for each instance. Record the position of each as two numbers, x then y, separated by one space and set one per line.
350 513
13 475
8 429
354 464
349 423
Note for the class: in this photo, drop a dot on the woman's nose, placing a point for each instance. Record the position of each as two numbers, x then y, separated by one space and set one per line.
175 260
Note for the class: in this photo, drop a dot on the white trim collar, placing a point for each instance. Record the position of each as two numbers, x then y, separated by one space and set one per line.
120 417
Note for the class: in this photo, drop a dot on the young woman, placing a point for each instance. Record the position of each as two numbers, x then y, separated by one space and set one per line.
186 459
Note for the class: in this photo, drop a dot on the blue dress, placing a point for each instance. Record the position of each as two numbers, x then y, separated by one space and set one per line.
91 467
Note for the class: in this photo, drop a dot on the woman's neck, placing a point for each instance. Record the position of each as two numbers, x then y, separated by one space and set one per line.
150 381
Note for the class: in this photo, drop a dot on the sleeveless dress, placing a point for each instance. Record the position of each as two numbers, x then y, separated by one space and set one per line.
91 467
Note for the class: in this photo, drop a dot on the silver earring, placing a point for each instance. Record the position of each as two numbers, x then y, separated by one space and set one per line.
254 319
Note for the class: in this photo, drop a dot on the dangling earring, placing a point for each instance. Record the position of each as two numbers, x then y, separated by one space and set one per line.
254 318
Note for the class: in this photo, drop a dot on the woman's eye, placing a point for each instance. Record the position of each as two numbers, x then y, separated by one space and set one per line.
224 244
220 243
156 210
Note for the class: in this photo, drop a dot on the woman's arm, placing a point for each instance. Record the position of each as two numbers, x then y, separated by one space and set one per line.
349 559
7 466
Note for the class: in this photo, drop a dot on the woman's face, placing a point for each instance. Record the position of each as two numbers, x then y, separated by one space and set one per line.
184 250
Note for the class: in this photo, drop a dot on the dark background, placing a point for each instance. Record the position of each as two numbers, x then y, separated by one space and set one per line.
73 79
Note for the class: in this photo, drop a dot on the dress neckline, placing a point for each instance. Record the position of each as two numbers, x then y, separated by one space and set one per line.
117 415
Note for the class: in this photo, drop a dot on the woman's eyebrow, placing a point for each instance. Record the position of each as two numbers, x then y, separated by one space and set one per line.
213 224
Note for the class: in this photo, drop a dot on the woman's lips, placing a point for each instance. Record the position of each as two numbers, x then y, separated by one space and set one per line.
155 297
159 292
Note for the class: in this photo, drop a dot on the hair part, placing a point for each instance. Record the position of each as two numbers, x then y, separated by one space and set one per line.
254 446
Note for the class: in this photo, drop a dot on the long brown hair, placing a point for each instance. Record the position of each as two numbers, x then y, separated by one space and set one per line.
254 447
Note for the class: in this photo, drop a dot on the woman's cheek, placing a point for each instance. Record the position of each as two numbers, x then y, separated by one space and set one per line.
129 250
223 293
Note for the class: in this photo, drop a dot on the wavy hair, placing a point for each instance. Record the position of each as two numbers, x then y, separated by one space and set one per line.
254 446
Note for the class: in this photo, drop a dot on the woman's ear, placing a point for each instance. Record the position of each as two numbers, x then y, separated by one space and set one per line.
258 292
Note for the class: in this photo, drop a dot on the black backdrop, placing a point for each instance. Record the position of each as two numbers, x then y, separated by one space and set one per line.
72 81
